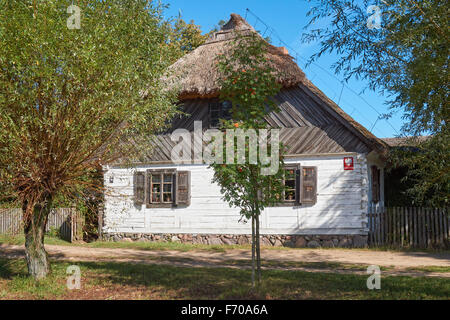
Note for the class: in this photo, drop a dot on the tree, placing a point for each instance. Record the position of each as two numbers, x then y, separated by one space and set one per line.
427 176
249 84
71 100
184 37
218 26
401 48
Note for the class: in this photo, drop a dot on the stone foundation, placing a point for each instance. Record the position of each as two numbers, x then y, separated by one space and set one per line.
293 241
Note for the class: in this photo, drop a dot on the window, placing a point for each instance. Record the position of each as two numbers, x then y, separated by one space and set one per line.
291 181
375 184
290 184
162 188
300 186
217 111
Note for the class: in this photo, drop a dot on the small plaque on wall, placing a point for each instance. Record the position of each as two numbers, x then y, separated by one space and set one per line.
348 163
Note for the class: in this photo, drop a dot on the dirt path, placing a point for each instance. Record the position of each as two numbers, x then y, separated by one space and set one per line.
398 262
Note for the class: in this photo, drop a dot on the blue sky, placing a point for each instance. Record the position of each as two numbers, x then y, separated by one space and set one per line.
288 18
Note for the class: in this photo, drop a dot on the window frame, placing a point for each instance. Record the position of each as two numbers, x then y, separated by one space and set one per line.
297 201
299 185
296 186
148 188
215 124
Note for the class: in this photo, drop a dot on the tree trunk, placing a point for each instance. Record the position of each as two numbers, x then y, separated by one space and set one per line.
253 251
36 256
258 250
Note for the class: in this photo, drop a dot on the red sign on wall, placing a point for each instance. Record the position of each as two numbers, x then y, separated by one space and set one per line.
348 163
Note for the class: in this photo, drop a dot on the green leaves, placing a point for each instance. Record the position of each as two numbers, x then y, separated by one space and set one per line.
72 99
248 80
250 84
407 60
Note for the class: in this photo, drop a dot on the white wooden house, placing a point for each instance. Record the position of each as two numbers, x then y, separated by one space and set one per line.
158 200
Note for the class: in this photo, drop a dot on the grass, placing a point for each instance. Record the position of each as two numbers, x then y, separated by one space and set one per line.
177 246
20 240
337 266
430 269
108 280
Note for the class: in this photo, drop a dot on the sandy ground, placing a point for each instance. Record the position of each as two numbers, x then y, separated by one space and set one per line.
398 261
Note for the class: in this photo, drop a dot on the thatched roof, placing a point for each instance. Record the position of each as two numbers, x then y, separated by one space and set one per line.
405 141
196 74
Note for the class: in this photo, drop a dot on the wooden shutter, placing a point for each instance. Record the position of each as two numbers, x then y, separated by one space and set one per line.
375 184
183 188
308 185
139 187
298 183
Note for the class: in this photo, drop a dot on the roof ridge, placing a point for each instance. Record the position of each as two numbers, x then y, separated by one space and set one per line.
235 25
236 22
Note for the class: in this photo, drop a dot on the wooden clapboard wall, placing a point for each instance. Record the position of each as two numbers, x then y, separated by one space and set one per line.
341 206
306 127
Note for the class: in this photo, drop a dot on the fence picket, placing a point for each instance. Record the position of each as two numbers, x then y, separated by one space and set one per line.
402 225
416 234
433 227
423 227
374 224
447 220
394 225
382 226
398 225
379 225
436 227
11 222
389 219
408 227
426 225
446 227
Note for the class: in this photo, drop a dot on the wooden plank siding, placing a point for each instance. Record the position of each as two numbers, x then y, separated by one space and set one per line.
339 208
306 127
314 133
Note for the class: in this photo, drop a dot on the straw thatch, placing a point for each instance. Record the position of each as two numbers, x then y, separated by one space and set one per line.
196 74
406 141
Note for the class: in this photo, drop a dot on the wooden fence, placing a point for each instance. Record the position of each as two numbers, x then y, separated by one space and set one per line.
409 227
66 221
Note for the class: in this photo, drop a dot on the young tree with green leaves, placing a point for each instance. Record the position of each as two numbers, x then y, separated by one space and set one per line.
184 37
74 99
401 48
249 83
